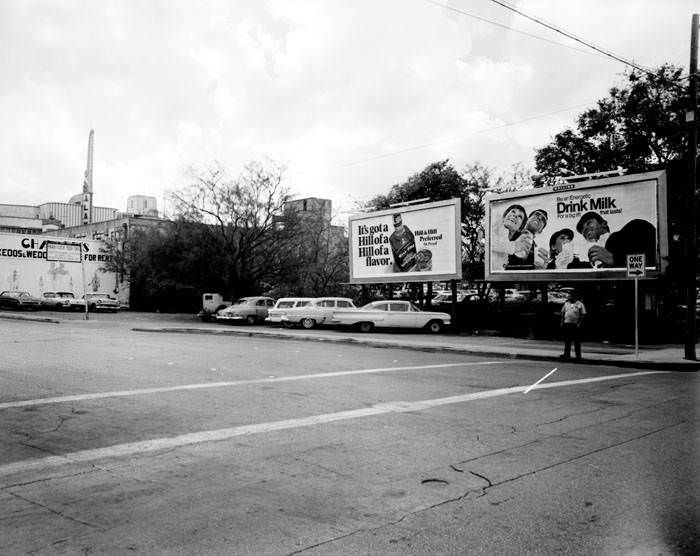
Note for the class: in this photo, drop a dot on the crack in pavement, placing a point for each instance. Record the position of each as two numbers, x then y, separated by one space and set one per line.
54 511
569 432
482 490
47 479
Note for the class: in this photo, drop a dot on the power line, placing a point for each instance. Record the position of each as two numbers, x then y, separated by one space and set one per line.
571 36
503 26
485 130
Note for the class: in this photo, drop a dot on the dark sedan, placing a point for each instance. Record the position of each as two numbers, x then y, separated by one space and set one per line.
18 300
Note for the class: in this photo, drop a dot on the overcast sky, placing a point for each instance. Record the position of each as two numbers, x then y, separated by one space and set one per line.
352 96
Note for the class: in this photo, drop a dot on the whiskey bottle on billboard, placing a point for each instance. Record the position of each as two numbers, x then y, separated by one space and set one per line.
403 245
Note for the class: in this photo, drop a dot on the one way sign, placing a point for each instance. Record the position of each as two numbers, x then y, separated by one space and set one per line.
636 266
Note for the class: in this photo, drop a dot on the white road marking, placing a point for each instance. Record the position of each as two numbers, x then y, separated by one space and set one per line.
169 443
143 391
540 380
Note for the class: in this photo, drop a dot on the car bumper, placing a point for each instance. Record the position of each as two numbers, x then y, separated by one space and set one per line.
233 318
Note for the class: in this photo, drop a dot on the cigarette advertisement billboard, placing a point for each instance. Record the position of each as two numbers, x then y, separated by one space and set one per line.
406 244
579 231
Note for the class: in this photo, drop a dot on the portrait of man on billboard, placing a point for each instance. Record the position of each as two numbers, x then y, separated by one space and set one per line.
532 255
604 249
507 236
561 251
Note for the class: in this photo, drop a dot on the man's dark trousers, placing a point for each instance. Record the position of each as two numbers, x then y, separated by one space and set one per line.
572 331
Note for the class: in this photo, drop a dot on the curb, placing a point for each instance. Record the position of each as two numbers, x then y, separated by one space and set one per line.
28 318
679 366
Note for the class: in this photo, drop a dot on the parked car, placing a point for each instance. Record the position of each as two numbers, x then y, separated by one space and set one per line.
95 302
392 314
557 296
317 311
514 296
56 300
12 299
276 314
447 297
248 309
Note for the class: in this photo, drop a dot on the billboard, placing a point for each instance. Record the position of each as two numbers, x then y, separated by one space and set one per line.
25 265
579 231
406 244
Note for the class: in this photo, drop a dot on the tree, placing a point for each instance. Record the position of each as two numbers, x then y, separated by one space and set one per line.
241 217
319 263
237 236
440 181
638 127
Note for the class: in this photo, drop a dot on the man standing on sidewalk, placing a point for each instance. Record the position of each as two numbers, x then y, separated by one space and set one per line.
572 314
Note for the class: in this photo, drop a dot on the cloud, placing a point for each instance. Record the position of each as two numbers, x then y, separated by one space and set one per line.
352 96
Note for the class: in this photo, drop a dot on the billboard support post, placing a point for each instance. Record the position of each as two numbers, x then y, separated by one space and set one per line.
82 270
636 317
636 267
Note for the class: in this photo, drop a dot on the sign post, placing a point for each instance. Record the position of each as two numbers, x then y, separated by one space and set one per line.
636 268
69 252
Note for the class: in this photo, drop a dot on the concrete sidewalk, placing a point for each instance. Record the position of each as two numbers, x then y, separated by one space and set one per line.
666 357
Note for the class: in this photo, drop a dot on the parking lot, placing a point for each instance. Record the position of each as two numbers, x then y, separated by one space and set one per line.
117 441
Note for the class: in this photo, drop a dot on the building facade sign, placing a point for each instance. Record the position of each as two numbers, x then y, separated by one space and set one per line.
25 266
582 230
406 244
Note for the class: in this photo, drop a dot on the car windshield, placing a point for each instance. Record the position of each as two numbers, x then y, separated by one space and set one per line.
285 304
244 301
65 294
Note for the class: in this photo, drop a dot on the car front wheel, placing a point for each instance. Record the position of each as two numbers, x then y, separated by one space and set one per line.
308 323
365 326
435 326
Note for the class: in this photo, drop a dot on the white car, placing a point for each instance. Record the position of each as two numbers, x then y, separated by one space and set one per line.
318 311
276 314
56 300
392 314
96 302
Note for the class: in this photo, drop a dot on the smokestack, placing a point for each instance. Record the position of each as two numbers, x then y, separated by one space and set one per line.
87 183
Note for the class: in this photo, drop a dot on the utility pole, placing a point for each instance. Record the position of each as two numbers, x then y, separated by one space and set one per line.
690 232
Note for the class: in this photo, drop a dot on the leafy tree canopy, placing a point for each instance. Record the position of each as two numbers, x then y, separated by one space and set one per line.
441 181
639 126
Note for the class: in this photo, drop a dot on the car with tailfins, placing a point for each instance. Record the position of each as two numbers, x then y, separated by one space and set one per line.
56 300
277 313
319 311
392 313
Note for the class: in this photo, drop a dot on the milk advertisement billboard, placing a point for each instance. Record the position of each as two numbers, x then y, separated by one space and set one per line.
582 230
406 244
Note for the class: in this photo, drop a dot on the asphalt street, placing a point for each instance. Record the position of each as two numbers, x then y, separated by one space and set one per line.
123 442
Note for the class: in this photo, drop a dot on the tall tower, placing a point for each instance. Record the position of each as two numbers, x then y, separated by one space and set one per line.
87 183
